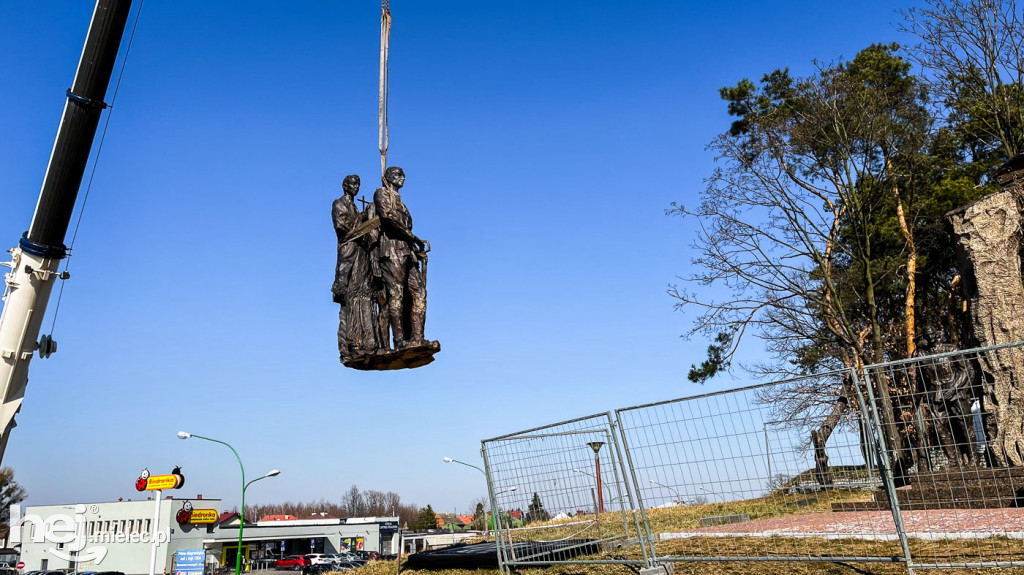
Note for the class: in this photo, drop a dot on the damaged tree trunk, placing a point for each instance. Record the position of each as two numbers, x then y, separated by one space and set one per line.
987 233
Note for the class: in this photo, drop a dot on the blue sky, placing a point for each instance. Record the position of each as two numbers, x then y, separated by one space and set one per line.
542 144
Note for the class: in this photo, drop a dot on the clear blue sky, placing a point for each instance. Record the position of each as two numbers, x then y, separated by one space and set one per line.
542 143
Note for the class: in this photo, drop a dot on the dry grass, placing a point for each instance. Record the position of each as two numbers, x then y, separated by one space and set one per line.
674 519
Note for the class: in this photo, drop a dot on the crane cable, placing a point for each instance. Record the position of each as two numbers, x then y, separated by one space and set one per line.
95 162
382 112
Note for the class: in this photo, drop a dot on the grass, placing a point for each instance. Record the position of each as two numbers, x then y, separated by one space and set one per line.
776 504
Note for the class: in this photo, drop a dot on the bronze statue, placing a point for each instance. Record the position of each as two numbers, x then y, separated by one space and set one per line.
952 385
381 280
357 334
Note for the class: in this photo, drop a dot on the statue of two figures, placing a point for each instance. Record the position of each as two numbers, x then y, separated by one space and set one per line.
380 280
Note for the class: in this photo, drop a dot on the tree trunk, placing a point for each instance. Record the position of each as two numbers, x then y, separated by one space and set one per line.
819 437
988 252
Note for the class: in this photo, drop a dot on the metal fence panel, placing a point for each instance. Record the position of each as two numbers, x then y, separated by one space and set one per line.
736 475
959 491
919 462
559 493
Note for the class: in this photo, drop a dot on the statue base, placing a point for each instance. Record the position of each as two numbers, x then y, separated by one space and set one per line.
389 359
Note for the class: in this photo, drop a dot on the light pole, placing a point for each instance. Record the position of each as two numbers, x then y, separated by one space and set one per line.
498 510
494 524
241 514
592 492
674 492
596 446
717 493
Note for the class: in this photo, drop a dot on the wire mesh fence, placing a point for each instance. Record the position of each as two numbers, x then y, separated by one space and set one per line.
559 492
761 472
919 462
951 423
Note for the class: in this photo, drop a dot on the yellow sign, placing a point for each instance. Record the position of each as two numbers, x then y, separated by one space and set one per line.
204 516
162 482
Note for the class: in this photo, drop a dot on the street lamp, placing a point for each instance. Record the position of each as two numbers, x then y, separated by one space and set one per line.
717 493
494 524
241 515
596 446
674 492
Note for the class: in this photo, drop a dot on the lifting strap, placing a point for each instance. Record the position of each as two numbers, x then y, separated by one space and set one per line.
382 114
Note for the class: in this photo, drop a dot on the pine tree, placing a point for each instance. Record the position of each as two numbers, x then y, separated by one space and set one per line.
427 519
536 511
479 522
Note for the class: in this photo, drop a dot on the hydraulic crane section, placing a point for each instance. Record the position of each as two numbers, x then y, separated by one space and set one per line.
35 261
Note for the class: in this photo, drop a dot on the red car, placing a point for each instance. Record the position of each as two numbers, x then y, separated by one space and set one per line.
291 562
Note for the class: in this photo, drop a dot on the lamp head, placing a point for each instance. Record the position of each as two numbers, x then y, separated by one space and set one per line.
513 488
273 473
184 435
447 459
596 446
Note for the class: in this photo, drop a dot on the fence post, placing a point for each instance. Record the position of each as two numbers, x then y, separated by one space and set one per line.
616 461
495 515
640 538
886 471
634 484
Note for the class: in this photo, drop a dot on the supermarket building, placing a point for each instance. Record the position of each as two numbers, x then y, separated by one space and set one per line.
121 536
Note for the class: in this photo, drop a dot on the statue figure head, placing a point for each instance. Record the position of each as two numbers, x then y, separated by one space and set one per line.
929 336
394 176
350 185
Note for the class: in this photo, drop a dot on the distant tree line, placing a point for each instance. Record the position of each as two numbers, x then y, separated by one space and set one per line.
353 503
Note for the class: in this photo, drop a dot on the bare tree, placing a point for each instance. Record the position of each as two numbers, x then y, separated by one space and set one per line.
790 228
353 502
376 502
973 50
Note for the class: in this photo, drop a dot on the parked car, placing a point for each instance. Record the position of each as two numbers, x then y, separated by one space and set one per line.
318 559
291 562
319 568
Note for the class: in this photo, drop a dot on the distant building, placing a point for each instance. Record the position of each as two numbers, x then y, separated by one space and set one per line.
449 521
118 535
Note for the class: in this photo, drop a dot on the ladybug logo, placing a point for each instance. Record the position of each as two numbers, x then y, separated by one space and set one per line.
181 479
185 513
140 483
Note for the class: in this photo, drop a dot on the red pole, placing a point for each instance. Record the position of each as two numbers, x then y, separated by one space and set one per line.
600 496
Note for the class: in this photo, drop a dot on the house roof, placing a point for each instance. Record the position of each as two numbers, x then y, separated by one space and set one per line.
466 519
448 519
284 517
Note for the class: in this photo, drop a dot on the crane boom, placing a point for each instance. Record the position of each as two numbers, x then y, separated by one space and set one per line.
36 258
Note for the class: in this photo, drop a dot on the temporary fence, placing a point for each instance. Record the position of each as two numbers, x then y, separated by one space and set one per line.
919 462
559 493
952 423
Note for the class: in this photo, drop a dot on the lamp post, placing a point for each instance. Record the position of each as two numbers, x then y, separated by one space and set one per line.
593 493
494 524
596 446
512 489
674 492
719 494
241 514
